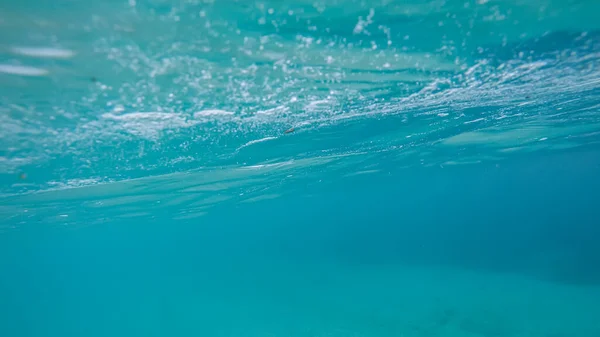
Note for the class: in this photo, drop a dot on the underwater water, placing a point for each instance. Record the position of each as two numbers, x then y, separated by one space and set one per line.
300 168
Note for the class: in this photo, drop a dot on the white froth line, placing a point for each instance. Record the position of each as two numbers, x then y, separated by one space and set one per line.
261 166
22 70
132 116
44 52
255 142
316 103
212 112
474 121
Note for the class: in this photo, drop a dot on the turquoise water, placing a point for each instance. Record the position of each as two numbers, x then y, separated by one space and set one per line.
300 168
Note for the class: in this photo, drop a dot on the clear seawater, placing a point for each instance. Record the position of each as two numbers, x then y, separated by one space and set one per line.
369 168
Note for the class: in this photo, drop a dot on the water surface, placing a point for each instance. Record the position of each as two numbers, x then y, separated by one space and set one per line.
300 168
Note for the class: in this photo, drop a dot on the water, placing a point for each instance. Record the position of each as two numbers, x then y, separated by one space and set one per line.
300 168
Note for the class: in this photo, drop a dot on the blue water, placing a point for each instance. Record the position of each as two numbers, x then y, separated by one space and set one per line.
300 168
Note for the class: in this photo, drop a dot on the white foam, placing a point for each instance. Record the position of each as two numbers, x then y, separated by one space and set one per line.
22 70
255 142
150 124
212 112
43 52
271 165
474 121
132 116
318 104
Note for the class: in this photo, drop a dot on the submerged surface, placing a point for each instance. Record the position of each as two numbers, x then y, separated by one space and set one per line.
300 168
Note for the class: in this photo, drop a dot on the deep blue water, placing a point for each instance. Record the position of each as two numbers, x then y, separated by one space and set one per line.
300 168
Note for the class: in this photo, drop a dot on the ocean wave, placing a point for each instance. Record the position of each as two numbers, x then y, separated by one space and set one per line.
142 98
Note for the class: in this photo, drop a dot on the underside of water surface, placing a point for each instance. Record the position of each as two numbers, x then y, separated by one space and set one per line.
300 168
